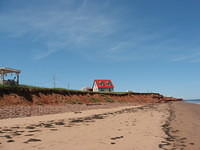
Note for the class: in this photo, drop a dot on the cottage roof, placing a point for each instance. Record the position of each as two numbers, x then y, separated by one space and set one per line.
104 83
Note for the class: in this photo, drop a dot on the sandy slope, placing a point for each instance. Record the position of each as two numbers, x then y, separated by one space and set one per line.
127 128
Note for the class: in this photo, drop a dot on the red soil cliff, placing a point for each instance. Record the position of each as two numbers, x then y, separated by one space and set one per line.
41 96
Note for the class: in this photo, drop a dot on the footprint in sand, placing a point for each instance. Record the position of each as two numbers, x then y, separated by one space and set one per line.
7 136
32 140
191 143
29 135
59 123
7 130
30 127
54 129
77 112
1 131
9 141
34 131
16 133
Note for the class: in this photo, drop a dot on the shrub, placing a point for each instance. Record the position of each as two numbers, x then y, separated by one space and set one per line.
107 99
94 100
76 102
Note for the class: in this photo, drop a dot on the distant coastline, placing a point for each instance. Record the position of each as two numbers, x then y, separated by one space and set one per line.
194 101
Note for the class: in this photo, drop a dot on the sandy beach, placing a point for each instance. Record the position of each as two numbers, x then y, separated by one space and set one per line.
183 127
146 127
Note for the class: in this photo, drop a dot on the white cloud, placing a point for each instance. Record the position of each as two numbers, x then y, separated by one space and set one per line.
191 57
57 29
88 27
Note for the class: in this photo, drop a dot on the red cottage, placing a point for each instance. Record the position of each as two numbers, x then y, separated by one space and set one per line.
103 86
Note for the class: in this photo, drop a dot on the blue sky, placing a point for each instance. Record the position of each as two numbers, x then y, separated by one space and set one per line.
142 45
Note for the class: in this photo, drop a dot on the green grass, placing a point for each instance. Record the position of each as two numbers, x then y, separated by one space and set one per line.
76 102
107 99
94 100
31 88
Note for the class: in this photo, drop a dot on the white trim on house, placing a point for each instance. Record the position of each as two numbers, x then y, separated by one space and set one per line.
95 87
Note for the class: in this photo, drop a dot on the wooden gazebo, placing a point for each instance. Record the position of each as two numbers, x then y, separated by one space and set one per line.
4 72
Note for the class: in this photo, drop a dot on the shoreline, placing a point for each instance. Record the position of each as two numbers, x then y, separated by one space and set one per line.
182 127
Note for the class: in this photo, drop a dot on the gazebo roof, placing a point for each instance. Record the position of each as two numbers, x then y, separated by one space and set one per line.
8 70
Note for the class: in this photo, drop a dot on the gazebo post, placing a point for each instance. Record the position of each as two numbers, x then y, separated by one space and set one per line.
2 78
17 78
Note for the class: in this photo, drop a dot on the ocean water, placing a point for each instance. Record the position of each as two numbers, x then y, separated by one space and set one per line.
195 101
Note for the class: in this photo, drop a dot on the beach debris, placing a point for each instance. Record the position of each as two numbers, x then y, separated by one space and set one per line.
117 137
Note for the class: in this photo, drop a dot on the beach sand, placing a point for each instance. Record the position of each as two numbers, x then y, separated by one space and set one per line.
147 127
183 127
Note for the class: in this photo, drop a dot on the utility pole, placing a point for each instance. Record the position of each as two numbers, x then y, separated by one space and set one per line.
54 81
68 85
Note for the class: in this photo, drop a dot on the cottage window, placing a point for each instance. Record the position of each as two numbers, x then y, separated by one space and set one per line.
101 83
108 84
101 89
